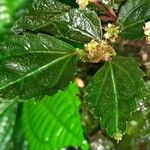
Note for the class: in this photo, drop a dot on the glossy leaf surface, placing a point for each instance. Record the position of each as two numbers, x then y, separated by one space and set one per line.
54 123
132 17
35 65
78 25
113 92
39 16
56 18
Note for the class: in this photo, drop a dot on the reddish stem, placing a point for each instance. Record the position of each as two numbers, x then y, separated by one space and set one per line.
110 14
142 145
107 19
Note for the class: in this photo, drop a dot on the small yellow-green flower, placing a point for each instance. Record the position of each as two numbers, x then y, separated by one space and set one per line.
118 137
95 52
112 32
83 3
147 31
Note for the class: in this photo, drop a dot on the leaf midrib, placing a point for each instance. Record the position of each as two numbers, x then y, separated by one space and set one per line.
115 97
37 70
35 52
56 117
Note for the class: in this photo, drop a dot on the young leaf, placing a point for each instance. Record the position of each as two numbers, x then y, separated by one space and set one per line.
132 17
54 122
35 65
7 121
113 92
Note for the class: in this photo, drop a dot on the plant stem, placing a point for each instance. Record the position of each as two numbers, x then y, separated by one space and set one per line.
110 13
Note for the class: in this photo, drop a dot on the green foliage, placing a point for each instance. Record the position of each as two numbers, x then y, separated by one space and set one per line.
7 121
54 39
140 125
52 17
40 15
113 92
4 14
132 17
54 122
35 65
78 25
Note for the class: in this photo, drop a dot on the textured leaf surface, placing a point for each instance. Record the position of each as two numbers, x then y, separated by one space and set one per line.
39 16
35 65
132 17
78 25
7 121
113 92
55 18
54 122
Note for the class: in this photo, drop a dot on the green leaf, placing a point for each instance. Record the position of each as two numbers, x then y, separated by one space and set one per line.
35 65
76 25
132 17
54 122
113 93
7 121
40 15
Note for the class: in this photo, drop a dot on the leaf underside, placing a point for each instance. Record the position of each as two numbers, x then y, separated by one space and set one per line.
54 122
35 66
113 92
132 17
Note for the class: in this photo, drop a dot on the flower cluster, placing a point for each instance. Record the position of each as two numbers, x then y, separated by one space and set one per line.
98 51
112 32
147 31
83 3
